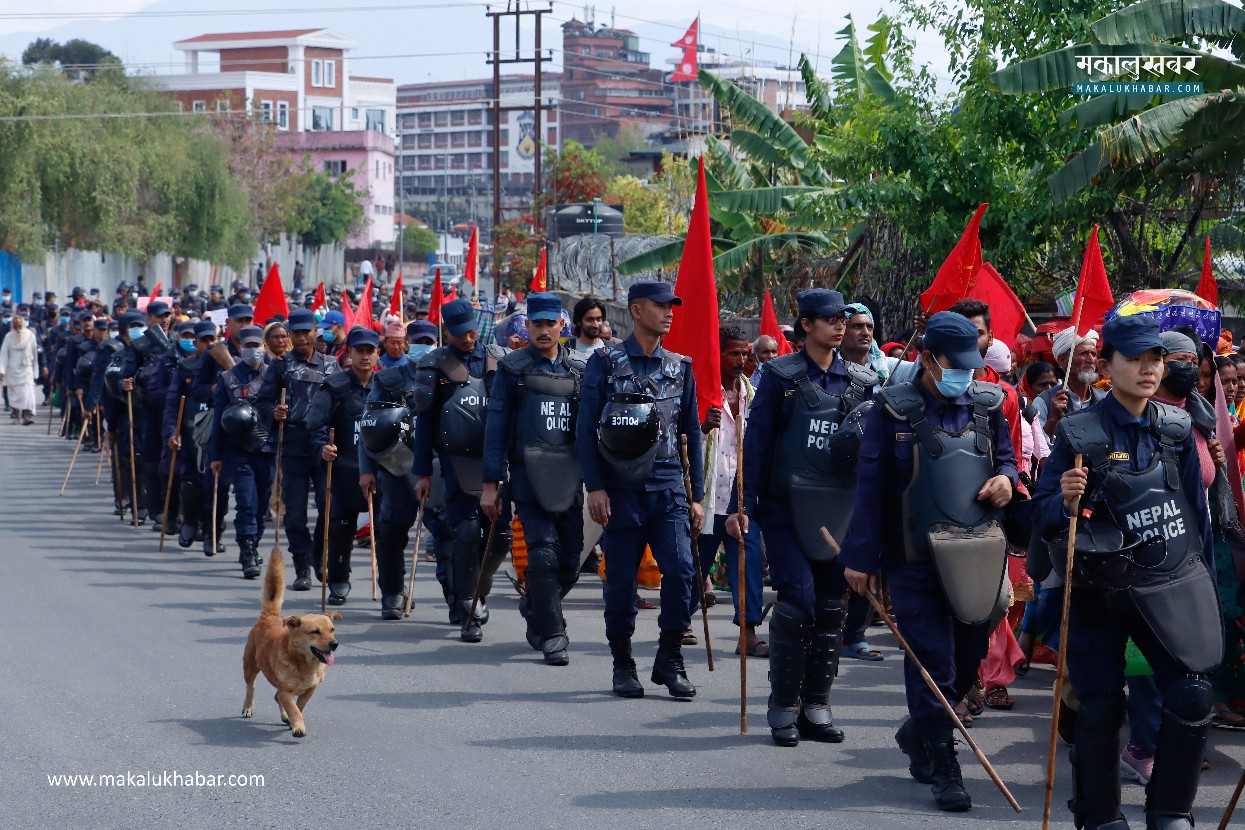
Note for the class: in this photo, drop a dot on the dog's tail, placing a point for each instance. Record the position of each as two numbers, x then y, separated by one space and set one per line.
274 584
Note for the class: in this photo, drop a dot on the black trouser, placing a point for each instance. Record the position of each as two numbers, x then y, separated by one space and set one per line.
348 503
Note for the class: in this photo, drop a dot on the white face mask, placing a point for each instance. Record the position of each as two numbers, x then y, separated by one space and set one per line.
253 355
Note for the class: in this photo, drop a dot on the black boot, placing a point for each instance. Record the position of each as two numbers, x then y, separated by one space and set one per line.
191 497
668 669
1095 760
789 633
815 721
249 557
1178 753
525 611
302 578
544 596
391 606
338 592
919 766
470 631
948 783
626 682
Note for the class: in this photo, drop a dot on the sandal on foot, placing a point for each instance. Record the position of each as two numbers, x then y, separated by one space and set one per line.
756 648
689 638
975 700
1225 718
643 604
998 698
862 651
965 716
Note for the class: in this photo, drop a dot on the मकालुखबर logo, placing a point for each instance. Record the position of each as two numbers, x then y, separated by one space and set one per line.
1132 66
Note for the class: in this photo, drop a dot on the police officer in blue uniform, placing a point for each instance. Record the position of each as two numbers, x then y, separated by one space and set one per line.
243 448
637 401
1143 568
195 482
154 376
338 405
450 398
113 388
794 484
938 452
300 372
530 432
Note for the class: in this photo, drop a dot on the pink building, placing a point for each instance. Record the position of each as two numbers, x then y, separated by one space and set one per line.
300 80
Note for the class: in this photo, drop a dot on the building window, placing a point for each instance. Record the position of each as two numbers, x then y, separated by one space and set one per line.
378 168
283 115
473 140
330 73
317 73
458 118
222 105
199 106
443 119
354 114
425 120
552 136
458 140
321 118
505 134
474 117
265 111
335 168
442 140
425 162
375 120
425 141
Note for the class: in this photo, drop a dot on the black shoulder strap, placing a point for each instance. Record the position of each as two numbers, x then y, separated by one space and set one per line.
1086 436
863 380
903 403
517 362
987 397
1171 426
339 382
390 379
793 369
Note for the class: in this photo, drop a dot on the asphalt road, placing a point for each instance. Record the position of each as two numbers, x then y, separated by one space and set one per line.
123 660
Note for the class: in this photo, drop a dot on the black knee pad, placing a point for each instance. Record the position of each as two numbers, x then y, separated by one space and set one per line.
1189 698
543 559
1102 713
830 613
788 619
467 532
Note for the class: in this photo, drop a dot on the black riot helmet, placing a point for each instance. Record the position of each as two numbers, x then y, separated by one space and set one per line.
843 448
629 425
86 365
239 420
383 425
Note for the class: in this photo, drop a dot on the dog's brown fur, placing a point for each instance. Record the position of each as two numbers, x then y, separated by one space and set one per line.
282 650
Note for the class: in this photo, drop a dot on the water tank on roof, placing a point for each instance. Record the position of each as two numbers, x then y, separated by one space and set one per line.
583 217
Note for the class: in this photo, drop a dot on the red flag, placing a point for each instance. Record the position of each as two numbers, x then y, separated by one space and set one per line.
271 300
347 311
435 302
1093 292
363 315
473 257
319 302
690 38
695 329
540 278
451 295
156 293
687 70
395 297
952 281
769 325
1007 313
1207 288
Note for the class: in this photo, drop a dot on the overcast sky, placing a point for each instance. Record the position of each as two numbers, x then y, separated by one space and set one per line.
422 40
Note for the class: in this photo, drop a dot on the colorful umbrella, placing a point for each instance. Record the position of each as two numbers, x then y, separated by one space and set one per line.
1173 307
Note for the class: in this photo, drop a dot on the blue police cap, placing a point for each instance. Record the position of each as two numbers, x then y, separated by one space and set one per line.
359 336
205 329
544 307
133 318
459 317
251 335
101 324
185 328
217 289
820 302
421 328
1130 336
655 290
333 318
241 311
952 336
301 320
158 308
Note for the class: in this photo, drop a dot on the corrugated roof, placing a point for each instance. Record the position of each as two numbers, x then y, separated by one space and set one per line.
271 35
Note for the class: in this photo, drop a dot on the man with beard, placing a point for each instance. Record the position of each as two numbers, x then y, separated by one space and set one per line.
1077 356
587 318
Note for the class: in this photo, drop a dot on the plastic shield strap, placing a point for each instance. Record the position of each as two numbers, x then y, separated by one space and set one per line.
971 563
815 504
554 475
1183 613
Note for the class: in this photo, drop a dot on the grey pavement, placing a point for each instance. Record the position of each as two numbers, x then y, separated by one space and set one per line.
125 660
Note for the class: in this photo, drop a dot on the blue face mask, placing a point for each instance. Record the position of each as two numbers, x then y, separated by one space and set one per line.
327 336
135 332
417 350
954 382
114 334
64 321
186 345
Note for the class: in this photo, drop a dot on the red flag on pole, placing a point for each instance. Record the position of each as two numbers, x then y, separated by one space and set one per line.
687 70
434 303
271 300
395 297
451 295
690 37
695 329
363 314
540 278
1093 292
951 283
156 292
769 325
319 302
347 311
1007 313
1207 288
473 258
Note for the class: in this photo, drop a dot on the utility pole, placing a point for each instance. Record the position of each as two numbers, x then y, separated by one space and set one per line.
537 58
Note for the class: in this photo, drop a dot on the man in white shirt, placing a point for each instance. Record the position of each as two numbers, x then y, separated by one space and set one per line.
587 318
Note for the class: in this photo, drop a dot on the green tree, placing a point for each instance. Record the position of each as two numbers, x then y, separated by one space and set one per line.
615 149
78 58
574 175
418 241
659 207
329 209
517 250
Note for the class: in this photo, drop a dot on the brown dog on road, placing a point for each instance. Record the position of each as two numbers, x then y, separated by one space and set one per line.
291 652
